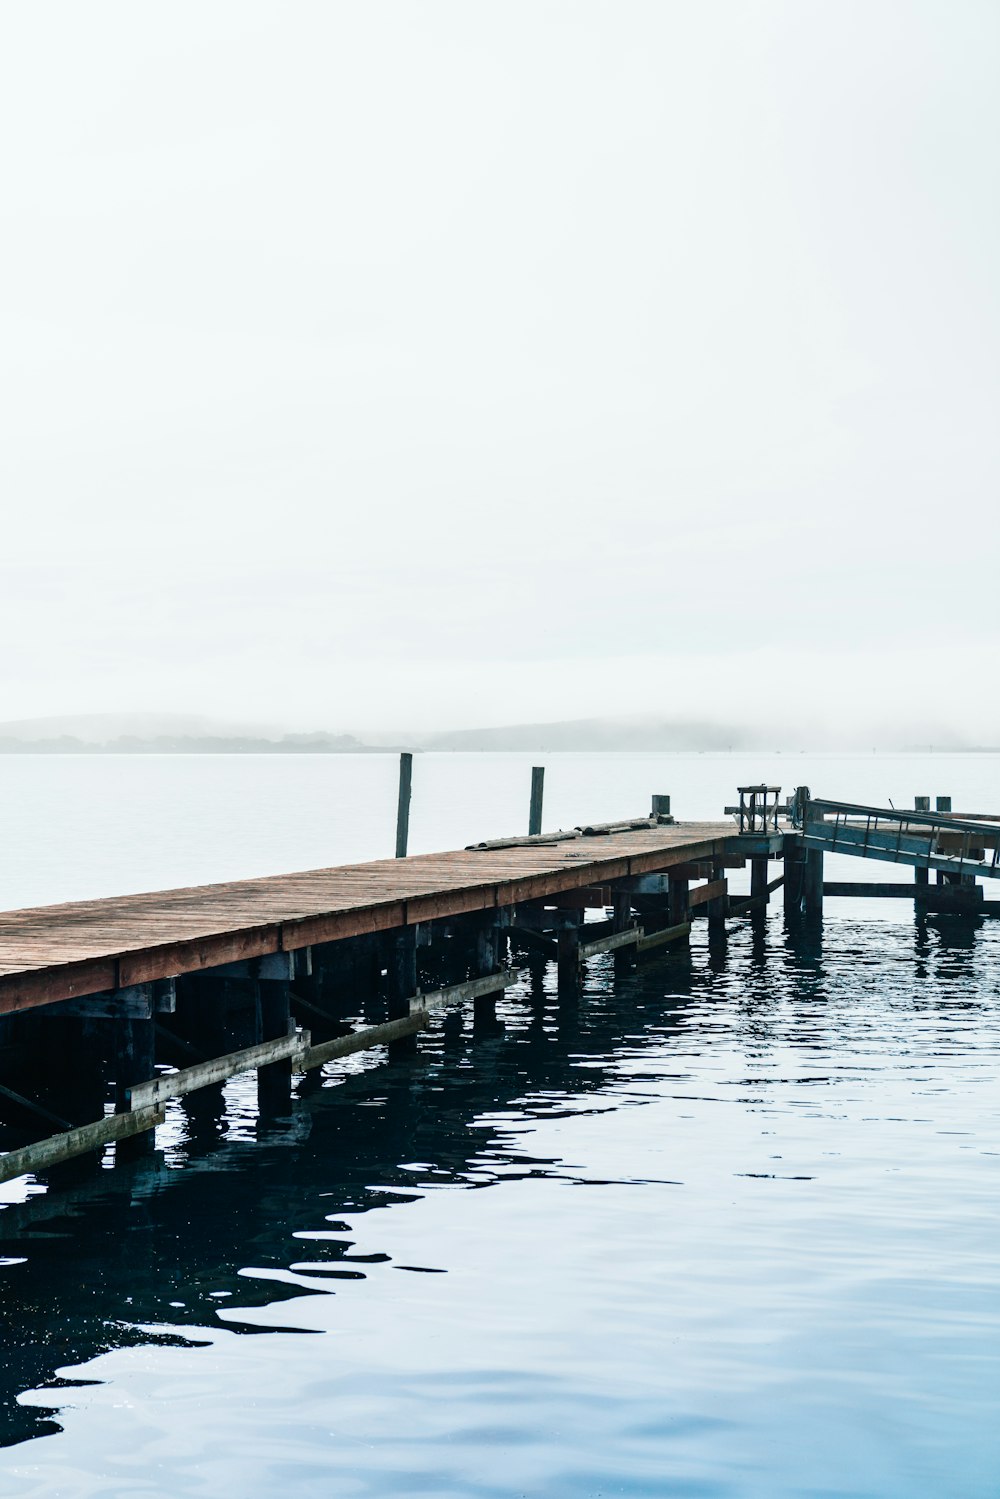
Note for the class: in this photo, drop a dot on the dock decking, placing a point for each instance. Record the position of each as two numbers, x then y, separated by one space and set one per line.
54 953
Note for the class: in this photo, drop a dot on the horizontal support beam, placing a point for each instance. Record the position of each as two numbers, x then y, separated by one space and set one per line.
745 905
549 919
273 965
714 890
611 943
537 941
660 939
758 845
872 889
653 884
956 899
460 994
73 1142
34 1108
372 1035
217 1070
592 898
137 1002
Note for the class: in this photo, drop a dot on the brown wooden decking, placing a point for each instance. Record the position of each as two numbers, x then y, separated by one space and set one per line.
50 953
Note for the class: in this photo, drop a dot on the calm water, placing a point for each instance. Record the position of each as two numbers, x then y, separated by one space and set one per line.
728 1227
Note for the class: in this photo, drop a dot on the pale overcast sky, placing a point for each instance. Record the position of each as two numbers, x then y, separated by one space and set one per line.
440 364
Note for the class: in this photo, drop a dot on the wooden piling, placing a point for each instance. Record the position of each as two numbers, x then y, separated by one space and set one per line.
921 877
568 961
535 807
794 861
759 881
812 884
401 977
678 909
274 1081
719 904
135 1062
403 805
487 963
621 905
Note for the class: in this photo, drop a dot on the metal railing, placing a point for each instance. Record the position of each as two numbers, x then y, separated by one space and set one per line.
960 844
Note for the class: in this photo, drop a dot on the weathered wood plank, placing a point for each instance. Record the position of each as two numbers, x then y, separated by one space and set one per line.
216 1070
457 994
190 957
610 943
58 981
373 1035
59 953
714 890
661 939
74 1142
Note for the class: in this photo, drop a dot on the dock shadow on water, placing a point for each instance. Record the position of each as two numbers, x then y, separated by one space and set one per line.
726 1225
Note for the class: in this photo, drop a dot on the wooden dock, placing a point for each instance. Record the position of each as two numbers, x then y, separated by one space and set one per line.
53 953
131 1003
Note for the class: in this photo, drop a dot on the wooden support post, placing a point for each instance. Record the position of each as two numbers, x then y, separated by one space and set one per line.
569 961
274 1082
921 876
403 806
661 808
718 907
677 901
758 877
135 1063
812 884
621 918
201 1013
484 1006
942 804
401 976
535 808
794 857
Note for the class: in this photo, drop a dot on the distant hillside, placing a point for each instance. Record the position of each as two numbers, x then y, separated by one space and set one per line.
596 734
191 744
163 734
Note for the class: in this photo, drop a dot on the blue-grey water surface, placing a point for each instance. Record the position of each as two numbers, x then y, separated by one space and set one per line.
727 1227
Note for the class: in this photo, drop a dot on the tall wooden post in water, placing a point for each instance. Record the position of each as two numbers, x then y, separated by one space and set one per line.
535 809
403 806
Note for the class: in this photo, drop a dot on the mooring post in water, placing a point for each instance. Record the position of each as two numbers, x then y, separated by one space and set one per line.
535 808
403 806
